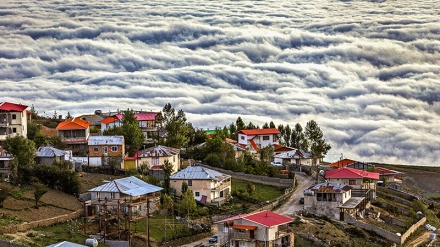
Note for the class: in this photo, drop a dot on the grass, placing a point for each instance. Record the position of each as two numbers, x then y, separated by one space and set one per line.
262 193
42 236
157 227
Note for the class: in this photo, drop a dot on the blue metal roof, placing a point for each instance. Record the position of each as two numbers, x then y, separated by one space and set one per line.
65 244
105 140
131 186
48 151
200 173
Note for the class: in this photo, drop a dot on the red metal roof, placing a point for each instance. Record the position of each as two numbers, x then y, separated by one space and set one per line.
347 172
7 106
265 218
73 124
385 171
140 116
107 120
271 131
342 163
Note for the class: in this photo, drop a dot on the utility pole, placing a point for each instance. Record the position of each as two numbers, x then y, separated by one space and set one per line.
148 222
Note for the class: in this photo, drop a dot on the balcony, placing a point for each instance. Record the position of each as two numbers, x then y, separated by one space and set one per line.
242 237
221 187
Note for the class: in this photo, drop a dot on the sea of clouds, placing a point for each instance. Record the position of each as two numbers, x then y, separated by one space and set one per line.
366 71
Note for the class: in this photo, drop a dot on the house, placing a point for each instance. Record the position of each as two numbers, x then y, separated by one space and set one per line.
294 157
5 164
209 186
149 122
156 156
48 155
361 181
75 133
333 200
391 178
256 139
263 228
341 163
128 195
106 151
13 120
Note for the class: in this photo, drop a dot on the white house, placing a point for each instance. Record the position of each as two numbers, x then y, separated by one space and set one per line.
208 186
256 139
13 120
294 157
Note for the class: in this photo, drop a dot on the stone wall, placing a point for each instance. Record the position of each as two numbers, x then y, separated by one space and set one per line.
394 198
399 193
384 233
46 222
277 182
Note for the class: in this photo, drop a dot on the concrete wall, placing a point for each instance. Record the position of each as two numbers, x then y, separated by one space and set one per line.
399 193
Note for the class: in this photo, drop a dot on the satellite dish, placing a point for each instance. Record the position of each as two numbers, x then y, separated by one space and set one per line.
321 172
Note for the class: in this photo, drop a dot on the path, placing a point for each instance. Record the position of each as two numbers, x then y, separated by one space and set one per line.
292 204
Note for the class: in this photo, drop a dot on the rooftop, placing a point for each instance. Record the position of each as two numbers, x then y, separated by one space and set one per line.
158 151
48 151
106 140
131 186
347 172
269 131
7 106
73 124
265 218
199 173
328 187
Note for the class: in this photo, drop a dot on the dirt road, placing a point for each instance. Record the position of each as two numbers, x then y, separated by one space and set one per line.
292 204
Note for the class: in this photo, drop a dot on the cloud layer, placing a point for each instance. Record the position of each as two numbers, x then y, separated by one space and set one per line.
366 71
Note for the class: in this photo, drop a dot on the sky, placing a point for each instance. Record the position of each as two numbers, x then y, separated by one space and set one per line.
366 71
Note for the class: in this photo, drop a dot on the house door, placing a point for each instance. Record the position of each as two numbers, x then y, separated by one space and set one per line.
237 244
252 234
341 216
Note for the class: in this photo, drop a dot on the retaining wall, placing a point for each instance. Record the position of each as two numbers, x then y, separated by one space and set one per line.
277 182
399 193
394 198
46 222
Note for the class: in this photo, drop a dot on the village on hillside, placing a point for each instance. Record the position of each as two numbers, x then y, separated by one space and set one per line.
143 178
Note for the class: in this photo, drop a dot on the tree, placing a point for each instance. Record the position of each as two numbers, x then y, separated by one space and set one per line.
188 202
167 170
134 138
167 204
57 142
68 116
55 115
286 134
314 136
251 126
184 187
40 190
240 124
232 131
298 139
265 125
4 193
143 169
271 125
176 127
24 153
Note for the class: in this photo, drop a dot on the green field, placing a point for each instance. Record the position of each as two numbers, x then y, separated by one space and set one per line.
262 193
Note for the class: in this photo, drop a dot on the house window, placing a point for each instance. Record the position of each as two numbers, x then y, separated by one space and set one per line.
190 182
112 195
155 161
266 138
114 149
97 195
352 182
14 116
241 231
95 149
14 130
225 228
197 194
242 244
242 137
221 193
106 150
174 158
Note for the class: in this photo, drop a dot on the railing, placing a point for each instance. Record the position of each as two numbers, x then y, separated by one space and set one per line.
283 232
221 187
242 236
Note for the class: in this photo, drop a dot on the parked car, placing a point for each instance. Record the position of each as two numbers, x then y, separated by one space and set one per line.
276 163
213 239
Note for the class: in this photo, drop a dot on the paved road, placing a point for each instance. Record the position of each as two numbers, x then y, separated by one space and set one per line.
289 207
292 204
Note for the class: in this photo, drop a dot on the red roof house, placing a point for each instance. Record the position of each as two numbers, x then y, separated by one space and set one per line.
358 179
341 163
256 139
75 133
257 228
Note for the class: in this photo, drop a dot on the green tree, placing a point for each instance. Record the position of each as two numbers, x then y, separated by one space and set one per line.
167 204
57 142
265 125
188 202
184 187
134 138
55 115
68 116
240 124
176 127
314 136
298 139
23 153
233 131
4 193
143 169
167 170
250 126
272 125
40 190
286 134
